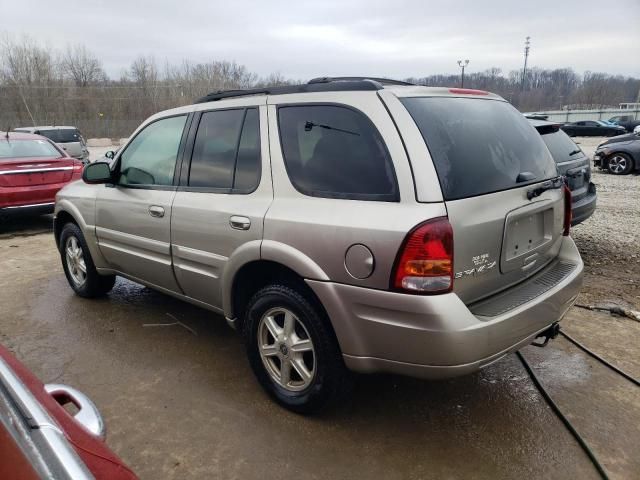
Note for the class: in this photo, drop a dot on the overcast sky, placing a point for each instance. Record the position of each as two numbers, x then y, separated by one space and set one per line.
303 39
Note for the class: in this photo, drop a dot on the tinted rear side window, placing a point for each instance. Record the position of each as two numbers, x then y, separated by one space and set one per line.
65 135
561 146
336 152
479 146
226 152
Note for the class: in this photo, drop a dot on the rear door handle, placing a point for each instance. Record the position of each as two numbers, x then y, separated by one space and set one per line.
156 211
239 223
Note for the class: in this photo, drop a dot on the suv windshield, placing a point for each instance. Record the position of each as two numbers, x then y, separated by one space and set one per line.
480 146
27 148
61 135
561 146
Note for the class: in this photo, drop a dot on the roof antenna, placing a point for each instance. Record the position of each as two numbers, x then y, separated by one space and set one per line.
6 134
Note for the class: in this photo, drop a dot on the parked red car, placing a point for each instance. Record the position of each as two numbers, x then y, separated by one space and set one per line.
32 170
40 439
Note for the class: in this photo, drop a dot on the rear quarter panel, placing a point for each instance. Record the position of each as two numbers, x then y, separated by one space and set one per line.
322 229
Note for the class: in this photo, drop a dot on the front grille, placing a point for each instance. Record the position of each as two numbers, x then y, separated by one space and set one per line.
525 292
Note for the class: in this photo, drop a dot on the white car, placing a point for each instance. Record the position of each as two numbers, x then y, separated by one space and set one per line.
637 130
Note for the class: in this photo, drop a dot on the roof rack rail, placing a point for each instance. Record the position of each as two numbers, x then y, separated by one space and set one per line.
321 84
380 80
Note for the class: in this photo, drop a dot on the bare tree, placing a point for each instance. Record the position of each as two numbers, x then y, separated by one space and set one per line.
81 66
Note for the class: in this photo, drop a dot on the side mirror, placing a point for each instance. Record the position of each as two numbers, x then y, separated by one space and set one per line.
110 154
98 172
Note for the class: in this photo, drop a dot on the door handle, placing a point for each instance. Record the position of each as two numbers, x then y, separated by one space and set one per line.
156 211
239 223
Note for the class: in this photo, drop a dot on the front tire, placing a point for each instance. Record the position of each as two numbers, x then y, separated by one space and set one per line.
78 265
292 349
619 164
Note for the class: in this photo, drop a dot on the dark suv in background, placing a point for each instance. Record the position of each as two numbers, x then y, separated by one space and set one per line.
573 164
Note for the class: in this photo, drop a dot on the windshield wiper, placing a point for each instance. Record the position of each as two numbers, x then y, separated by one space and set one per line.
554 183
575 152
309 125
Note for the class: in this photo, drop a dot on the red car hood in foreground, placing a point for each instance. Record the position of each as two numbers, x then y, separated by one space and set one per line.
93 452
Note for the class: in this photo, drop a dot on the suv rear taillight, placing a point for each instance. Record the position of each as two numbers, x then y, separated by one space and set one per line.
425 261
568 213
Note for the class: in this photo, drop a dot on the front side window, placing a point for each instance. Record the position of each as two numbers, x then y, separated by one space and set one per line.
336 152
150 158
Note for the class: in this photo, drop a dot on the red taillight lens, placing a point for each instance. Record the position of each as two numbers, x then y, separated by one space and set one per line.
568 213
77 169
425 261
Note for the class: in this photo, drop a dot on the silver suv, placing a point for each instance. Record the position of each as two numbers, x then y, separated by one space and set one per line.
68 138
345 224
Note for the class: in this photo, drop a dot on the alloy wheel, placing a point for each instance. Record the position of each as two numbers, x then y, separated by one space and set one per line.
286 349
75 261
617 164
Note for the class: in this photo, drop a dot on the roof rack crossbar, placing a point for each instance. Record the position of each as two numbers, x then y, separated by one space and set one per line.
380 80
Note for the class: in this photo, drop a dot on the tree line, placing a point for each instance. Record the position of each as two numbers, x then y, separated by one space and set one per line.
45 86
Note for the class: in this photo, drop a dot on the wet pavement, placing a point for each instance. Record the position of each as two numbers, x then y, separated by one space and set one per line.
182 403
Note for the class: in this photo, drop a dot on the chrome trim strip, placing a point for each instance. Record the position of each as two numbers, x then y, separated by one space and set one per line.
32 205
69 460
35 170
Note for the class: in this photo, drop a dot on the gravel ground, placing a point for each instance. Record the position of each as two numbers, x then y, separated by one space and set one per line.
609 241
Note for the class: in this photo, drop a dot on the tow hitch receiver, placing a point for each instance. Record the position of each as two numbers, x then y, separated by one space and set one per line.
549 334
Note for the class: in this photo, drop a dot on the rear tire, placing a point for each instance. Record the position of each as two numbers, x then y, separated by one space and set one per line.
619 164
292 349
78 265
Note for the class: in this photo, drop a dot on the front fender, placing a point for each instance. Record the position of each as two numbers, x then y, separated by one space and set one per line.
84 221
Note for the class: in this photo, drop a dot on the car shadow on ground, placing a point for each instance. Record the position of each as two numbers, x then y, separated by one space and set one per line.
25 226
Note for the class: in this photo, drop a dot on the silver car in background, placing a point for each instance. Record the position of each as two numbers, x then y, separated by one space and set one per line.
345 224
68 138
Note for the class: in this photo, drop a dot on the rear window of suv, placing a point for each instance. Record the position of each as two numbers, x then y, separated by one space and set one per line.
61 135
480 146
561 146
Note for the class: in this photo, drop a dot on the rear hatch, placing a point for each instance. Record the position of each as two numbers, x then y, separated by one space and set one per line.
501 188
572 163
33 172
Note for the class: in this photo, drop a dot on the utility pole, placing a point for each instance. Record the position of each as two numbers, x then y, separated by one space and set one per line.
462 65
527 44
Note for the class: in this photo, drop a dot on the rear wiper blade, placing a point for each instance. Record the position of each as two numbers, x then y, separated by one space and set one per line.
575 152
309 125
554 183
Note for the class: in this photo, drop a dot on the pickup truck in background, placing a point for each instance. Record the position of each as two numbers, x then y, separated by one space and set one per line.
626 121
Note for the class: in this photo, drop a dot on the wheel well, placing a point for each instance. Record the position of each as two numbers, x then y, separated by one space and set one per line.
256 275
62 218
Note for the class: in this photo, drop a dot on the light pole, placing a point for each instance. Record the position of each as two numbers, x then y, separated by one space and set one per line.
462 65
526 57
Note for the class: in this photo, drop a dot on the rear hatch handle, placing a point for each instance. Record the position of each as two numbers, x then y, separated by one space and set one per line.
554 183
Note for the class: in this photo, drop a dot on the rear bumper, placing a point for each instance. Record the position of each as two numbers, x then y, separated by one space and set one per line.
30 209
584 208
31 200
439 336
